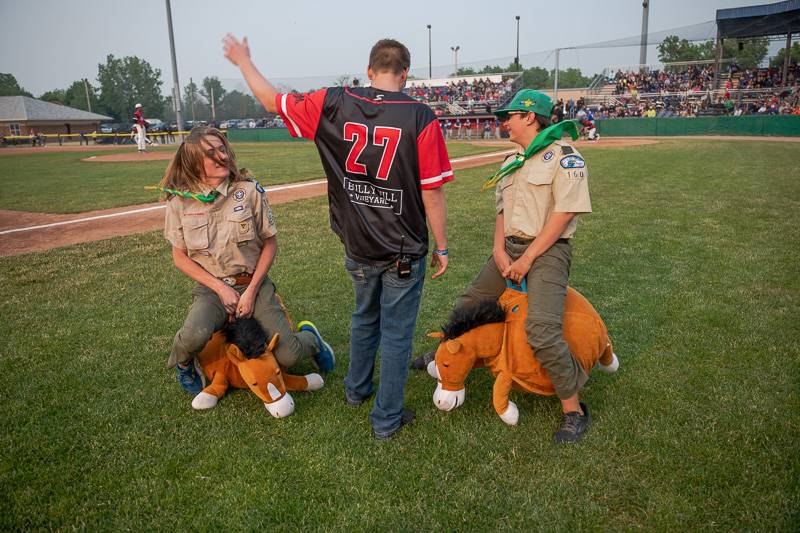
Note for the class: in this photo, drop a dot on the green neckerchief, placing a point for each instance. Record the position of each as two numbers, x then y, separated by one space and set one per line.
205 198
544 139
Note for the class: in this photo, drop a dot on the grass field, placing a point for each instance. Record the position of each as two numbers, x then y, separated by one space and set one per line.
61 182
691 257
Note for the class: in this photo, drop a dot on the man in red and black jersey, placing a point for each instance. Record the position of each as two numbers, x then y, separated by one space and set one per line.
386 161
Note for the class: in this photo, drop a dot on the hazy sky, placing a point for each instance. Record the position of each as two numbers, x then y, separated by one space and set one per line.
48 43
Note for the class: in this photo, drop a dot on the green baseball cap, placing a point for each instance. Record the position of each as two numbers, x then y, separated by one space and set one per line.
529 100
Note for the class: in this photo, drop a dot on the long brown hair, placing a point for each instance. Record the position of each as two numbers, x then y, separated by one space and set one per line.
185 171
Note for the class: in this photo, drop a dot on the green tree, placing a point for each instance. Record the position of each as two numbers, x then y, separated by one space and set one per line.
236 104
794 56
751 54
748 55
572 77
56 96
465 71
195 106
75 96
489 69
536 78
127 81
10 87
212 91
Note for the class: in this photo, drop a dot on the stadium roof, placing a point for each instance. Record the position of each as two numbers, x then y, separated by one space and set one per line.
26 109
764 20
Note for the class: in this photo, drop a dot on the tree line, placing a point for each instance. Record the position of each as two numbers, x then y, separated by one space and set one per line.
121 83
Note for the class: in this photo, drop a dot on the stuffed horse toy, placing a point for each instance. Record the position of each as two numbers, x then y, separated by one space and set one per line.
240 357
493 335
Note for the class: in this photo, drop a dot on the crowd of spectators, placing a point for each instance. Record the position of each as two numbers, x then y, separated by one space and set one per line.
693 78
468 94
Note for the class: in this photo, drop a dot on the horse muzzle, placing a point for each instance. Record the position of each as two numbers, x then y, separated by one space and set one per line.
447 400
281 408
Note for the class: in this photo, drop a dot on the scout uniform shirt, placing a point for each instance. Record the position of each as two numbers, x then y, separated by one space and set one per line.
555 179
225 236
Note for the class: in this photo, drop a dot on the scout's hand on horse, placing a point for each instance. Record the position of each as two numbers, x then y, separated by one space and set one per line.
229 298
237 52
518 269
246 302
501 259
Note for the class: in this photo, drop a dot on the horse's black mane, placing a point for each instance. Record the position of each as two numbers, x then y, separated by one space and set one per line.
248 335
463 320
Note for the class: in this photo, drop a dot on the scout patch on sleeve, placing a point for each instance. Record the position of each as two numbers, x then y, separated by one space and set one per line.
259 188
548 155
238 194
566 150
572 161
269 216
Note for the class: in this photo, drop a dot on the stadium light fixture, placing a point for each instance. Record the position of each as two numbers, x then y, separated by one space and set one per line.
455 50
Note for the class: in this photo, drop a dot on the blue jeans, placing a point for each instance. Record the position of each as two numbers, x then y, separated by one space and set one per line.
385 315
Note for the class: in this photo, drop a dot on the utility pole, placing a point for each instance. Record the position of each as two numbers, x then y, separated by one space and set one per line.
191 100
213 109
86 88
643 49
430 55
555 77
176 86
455 50
516 57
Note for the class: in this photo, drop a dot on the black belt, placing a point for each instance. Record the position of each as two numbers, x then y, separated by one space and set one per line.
519 240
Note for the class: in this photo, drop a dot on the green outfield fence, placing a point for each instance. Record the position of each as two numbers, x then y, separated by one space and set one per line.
260 135
787 126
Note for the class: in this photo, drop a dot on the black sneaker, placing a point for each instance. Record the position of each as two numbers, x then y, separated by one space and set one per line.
353 401
406 418
573 426
421 362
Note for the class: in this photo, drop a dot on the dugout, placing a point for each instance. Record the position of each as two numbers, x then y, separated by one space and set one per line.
766 20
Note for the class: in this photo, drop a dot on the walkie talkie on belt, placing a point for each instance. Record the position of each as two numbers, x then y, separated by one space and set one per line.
403 262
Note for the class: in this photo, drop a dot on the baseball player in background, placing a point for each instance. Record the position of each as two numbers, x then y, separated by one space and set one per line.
141 129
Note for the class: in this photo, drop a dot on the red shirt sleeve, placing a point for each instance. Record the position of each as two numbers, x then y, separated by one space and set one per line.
434 163
301 112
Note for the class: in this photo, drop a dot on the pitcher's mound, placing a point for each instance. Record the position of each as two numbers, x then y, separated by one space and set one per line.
132 156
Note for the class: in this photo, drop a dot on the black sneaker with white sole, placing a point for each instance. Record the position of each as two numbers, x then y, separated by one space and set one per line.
421 362
573 426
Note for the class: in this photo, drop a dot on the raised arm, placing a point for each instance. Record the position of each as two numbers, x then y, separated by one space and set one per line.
238 53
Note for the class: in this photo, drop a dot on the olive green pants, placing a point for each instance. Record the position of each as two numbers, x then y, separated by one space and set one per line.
207 315
547 288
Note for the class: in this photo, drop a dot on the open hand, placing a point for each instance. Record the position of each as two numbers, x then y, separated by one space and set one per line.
237 52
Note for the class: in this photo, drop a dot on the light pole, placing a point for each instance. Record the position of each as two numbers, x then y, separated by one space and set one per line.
176 88
516 58
430 56
455 50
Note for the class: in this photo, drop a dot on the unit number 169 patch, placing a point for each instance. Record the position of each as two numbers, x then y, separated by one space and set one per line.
573 161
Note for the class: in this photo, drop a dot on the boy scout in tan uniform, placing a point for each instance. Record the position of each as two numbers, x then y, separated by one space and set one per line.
535 210
226 237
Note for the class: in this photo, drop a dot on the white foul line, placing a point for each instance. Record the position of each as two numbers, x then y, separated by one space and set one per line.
163 206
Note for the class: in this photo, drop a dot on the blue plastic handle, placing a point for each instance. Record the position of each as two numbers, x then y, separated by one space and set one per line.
522 287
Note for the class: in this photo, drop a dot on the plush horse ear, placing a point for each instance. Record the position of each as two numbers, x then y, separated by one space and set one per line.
234 354
453 346
273 342
436 335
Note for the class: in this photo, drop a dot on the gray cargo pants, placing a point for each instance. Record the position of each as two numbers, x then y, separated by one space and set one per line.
207 315
547 289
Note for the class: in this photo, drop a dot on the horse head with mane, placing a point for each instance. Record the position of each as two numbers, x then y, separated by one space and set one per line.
492 334
240 357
